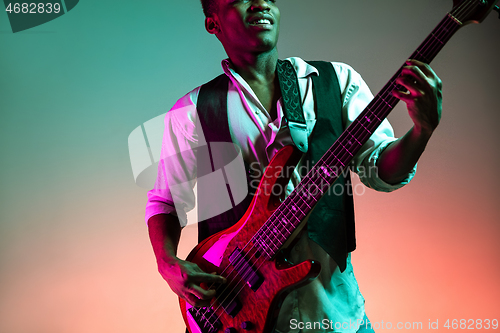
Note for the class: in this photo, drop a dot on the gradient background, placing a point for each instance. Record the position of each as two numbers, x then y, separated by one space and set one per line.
74 251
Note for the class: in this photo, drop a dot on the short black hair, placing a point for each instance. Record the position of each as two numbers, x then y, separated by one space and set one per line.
209 7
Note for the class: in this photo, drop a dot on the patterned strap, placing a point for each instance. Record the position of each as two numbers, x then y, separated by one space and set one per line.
292 108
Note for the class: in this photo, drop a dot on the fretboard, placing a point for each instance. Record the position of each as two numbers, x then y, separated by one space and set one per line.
285 219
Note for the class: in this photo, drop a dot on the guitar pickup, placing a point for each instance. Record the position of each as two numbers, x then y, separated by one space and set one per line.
245 269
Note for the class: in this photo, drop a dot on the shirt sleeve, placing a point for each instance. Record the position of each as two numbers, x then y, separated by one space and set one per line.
173 192
355 97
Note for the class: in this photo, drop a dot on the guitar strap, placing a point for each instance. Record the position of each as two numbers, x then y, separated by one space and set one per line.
292 106
331 223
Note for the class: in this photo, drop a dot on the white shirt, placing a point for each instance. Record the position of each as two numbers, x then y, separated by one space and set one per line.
333 296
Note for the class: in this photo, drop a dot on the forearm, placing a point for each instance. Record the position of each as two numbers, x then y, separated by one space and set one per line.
422 95
182 276
164 233
400 157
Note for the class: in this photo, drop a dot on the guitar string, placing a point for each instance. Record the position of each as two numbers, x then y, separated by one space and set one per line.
316 170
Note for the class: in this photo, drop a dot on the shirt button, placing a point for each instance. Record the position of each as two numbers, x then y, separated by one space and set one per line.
257 112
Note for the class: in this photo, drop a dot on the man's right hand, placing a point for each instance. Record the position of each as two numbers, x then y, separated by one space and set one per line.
184 279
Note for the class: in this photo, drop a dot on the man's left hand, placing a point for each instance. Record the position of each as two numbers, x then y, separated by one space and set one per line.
423 96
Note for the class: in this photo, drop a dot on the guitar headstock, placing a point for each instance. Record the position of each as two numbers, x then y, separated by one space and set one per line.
472 11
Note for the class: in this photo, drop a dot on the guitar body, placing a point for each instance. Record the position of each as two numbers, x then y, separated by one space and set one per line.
258 308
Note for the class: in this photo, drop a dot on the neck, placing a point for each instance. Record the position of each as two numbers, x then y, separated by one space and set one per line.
258 67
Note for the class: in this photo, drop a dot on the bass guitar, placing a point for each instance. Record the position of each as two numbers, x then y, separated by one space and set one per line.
248 253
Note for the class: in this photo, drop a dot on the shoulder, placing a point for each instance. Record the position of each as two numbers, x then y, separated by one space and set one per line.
182 117
347 76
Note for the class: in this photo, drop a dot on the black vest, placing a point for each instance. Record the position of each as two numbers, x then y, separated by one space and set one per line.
331 223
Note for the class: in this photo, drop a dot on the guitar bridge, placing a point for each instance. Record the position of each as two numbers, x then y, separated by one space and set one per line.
206 319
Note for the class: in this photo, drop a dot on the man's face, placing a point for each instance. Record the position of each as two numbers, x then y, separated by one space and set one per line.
246 25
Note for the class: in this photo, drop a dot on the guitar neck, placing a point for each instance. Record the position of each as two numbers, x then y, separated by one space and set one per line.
286 218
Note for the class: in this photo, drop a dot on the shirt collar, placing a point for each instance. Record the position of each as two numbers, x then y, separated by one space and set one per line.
302 68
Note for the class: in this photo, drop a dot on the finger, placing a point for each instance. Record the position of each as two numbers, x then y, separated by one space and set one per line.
195 301
405 97
425 68
201 293
410 84
208 278
224 280
415 74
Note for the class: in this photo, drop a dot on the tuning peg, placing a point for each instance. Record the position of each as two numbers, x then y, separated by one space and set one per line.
497 9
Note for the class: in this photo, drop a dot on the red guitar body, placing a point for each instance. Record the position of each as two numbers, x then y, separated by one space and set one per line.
259 308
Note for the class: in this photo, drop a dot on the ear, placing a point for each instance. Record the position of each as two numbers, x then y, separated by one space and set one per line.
211 25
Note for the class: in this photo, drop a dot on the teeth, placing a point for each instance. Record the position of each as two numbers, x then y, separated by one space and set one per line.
262 21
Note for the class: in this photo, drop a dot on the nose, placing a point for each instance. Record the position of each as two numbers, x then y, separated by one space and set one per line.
260 5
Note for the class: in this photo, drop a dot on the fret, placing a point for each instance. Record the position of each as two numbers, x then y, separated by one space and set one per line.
381 104
299 198
280 238
314 190
359 122
356 132
369 110
305 194
329 171
389 100
335 155
286 225
347 150
282 219
394 85
263 248
277 228
387 103
355 139
436 38
322 185
322 172
293 213
267 240
272 241
350 142
423 56
295 210
348 145
329 162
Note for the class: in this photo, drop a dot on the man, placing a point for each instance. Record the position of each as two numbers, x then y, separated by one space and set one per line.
248 31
